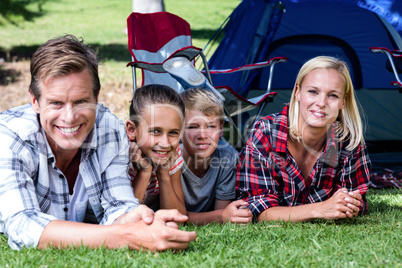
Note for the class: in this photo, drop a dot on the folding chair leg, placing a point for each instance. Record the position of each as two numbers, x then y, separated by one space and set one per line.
134 79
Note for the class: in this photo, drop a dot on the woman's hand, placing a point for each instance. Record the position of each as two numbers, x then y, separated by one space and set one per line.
342 204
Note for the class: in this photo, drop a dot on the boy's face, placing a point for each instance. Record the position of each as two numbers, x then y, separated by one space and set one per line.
158 132
201 134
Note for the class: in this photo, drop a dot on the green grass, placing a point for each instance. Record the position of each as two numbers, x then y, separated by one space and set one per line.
373 240
102 23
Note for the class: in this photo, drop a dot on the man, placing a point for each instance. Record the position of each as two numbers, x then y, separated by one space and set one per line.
64 161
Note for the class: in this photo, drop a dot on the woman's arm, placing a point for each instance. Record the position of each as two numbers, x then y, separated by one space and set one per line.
342 204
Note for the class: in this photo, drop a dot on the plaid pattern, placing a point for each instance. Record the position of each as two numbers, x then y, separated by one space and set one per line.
268 176
33 191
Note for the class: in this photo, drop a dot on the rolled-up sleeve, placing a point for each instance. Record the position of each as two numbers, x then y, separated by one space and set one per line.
355 173
117 195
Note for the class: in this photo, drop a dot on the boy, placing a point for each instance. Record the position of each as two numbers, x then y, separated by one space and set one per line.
208 175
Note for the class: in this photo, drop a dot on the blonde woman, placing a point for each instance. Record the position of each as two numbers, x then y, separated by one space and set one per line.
309 161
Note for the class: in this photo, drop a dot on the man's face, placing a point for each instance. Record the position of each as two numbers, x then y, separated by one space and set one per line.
67 110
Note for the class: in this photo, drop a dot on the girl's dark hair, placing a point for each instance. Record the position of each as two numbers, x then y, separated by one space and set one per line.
154 94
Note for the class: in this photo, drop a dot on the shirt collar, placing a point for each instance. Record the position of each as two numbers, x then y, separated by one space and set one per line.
280 134
280 131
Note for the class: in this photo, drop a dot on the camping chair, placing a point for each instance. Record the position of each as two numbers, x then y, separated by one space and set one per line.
394 63
161 46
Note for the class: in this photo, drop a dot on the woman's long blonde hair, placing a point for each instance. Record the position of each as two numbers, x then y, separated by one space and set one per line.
350 122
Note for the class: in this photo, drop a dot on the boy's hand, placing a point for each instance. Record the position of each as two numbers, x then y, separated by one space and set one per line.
138 160
237 212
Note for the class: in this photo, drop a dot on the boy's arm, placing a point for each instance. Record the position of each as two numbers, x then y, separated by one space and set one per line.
225 211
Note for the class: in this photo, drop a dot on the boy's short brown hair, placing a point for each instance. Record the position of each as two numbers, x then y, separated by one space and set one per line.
203 100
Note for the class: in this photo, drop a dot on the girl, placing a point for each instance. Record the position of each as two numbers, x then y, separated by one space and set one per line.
154 129
310 160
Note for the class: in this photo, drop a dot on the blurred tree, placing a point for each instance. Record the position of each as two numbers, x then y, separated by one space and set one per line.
13 11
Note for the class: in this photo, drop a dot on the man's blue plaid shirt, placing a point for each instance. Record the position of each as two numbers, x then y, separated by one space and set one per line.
32 194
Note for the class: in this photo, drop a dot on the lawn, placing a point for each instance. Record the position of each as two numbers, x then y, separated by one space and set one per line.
102 25
373 240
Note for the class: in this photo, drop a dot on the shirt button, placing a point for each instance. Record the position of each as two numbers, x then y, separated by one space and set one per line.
61 176
65 209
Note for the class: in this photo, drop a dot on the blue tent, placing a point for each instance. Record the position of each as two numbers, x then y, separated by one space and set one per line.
258 30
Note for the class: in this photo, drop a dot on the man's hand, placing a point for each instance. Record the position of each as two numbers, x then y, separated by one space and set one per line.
163 233
142 212
237 212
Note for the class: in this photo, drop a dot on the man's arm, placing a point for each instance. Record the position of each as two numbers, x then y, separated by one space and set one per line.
161 235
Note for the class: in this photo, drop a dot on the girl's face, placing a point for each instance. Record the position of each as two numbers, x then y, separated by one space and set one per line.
158 132
321 97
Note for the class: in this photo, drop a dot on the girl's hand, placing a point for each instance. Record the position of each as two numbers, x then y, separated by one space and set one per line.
140 162
164 168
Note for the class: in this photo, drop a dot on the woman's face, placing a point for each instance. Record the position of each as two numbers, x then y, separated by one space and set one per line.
321 96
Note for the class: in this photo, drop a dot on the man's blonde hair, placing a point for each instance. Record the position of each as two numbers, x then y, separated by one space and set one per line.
350 122
203 100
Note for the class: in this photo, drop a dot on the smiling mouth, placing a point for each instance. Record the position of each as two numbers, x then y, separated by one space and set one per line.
318 114
202 146
162 153
69 130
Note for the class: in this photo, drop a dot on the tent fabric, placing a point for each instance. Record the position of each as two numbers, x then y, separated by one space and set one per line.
303 29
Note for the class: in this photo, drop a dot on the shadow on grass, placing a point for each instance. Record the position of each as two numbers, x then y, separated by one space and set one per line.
117 52
8 76
202 33
16 11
